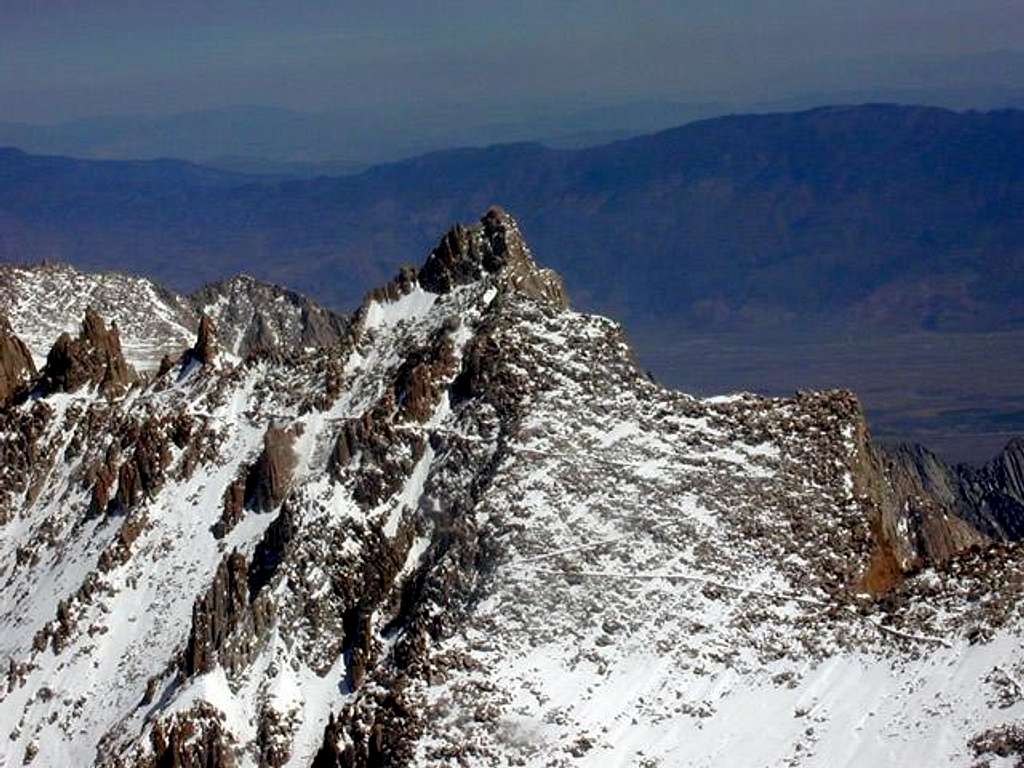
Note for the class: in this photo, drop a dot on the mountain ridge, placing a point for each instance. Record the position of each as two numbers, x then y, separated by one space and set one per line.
472 531
251 315
706 219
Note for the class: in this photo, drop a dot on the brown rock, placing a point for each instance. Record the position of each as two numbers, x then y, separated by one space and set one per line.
232 509
206 346
100 497
206 341
192 739
273 738
421 379
270 478
94 358
120 549
16 366
400 286
272 550
365 445
144 473
495 246
913 523
216 614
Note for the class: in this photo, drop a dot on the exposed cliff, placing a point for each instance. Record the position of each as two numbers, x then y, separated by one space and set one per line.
17 368
93 358
990 498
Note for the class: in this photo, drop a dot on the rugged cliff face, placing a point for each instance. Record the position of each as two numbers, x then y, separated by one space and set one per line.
989 498
94 358
256 317
914 517
17 369
469 531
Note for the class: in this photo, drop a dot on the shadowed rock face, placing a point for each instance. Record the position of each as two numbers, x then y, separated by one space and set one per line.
205 349
271 476
215 615
16 365
927 513
93 358
255 317
194 739
990 498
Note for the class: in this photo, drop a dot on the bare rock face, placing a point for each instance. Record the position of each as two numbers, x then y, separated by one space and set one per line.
254 317
915 519
262 486
216 614
363 450
233 508
995 492
950 509
465 254
401 286
205 349
16 366
194 739
271 476
94 358
422 377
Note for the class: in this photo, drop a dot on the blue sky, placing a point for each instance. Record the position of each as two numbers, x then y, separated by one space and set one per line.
63 59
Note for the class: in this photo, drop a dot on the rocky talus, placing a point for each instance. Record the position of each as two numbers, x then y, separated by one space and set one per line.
463 528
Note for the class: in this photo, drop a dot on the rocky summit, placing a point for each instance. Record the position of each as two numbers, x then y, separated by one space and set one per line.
463 528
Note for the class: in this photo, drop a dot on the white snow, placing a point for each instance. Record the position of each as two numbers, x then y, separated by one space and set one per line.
410 307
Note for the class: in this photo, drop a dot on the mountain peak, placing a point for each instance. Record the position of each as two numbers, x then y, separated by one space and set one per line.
494 246
469 526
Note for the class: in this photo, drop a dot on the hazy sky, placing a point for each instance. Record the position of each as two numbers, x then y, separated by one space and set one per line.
69 58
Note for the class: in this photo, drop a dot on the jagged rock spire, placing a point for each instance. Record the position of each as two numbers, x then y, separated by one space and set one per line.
95 357
206 346
204 351
16 365
495 246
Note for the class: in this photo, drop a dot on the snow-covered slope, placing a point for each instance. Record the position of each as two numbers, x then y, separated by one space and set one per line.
43 301
474 533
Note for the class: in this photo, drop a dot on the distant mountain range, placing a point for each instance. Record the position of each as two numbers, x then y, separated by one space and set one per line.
347 137
885 215
285 142
878 218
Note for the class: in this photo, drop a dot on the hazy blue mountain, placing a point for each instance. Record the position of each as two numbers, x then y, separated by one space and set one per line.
886 215
880 219
281 141
346 137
